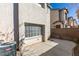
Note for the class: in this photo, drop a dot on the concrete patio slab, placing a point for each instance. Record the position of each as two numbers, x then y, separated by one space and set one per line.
64 48
38 48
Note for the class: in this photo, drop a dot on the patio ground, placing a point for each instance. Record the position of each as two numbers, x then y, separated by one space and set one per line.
55 47
37 48
64 48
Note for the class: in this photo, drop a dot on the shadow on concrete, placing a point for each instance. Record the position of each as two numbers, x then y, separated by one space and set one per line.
65 48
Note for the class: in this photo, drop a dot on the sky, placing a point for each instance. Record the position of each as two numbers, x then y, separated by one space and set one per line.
72 7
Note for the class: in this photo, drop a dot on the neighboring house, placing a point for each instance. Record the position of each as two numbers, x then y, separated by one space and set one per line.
71 23
58 18
75 23
28 21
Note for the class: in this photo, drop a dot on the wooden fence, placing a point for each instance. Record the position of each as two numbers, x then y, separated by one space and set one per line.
66 33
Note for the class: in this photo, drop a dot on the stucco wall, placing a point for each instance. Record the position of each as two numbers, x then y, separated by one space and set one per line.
62 15
32 13
54 16
57 15
6 19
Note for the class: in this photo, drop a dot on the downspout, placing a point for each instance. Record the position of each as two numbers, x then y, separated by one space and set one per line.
16 24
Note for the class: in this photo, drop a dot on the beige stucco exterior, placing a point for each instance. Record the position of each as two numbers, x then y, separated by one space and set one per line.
28 13
54 16
6 21
33 13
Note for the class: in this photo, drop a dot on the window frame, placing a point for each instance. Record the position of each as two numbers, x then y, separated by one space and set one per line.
31 30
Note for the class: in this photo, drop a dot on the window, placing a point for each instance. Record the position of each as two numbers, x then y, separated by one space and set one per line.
31 31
